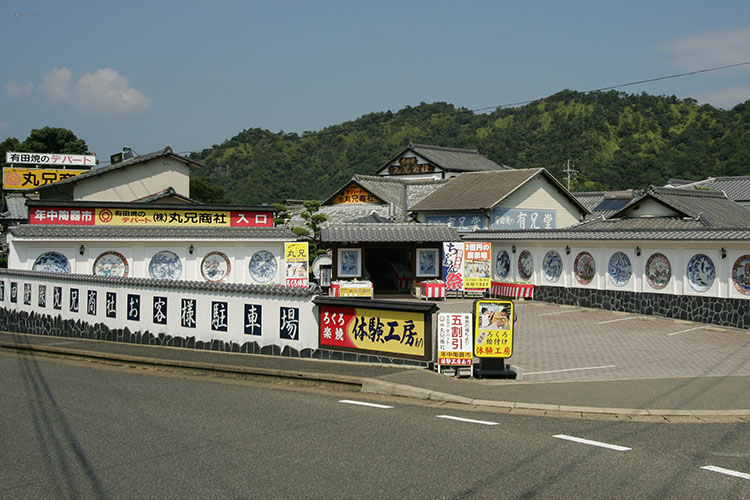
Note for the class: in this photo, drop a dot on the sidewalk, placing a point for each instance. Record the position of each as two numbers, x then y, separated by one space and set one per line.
717 390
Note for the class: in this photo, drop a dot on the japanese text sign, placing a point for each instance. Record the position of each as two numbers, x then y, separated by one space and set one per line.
30 178
453 266
454 339
354 194
493 328
511 218
50 159
477 265
296 256
380 331
148 217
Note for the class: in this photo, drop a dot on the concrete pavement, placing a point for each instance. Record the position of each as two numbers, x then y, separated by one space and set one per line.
574 363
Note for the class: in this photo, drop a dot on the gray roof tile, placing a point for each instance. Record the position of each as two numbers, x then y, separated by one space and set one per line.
406 232
451 159
128 232
736 188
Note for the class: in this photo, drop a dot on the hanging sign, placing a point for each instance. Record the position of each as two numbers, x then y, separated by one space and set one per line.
477 267
493 328
454 339
296 256
453 266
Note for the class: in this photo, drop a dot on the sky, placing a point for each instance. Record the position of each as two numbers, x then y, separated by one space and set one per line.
191 74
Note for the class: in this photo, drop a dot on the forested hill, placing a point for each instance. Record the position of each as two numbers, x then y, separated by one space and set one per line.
615 140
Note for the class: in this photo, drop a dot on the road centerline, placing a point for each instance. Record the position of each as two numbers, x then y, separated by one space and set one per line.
570 370
592 443
728 472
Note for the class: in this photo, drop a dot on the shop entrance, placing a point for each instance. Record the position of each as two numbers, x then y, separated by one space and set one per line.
389 269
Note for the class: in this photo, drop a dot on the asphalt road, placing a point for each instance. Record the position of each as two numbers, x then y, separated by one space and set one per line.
72 429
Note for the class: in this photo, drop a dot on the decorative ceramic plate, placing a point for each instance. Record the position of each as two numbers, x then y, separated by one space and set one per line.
111 264
658 271
52 262
263 266
741 274
502 264
215 266
525 265
584 268
552 266
701 272
165 265
619 269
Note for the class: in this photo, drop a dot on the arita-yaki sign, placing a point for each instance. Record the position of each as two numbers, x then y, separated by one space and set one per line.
493 328
50 159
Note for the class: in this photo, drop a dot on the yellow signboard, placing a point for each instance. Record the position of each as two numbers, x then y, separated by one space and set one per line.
355 194
296 252
30 178
493 330
373 330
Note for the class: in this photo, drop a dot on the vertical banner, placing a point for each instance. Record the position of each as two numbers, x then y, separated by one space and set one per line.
296 257
453 266
454 339
477 268
493 328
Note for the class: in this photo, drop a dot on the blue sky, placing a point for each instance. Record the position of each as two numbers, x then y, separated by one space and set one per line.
190 74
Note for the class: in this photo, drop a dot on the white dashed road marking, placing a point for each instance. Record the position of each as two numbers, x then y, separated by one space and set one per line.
362 403
570 370
468 420
728 472
592 443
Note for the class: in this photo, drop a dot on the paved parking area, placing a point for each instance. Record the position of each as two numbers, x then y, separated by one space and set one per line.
565 343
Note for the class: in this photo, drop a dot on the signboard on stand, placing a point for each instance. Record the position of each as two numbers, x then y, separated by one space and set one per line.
493 328
454 340
477 266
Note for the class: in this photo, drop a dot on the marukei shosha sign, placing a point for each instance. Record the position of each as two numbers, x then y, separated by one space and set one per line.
147 217
358 326
30 178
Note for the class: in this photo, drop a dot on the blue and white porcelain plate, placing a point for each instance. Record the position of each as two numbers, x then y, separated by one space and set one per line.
165 265
263 266
502 264
525 265
619 269
52 262
701 272
552 266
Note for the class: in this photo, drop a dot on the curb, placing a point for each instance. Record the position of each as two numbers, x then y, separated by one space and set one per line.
381 387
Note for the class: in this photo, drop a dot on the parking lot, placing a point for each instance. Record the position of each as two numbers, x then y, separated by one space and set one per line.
566 343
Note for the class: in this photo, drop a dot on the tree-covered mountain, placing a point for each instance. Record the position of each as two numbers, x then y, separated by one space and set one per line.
615 140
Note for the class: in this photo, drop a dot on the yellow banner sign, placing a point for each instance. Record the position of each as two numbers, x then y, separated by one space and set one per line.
493 330
355 194
30 178
296 252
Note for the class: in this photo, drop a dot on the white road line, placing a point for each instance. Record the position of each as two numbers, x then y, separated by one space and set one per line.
559 312
570 370
592 443
616 320
728 472
685 331
362 403
468 420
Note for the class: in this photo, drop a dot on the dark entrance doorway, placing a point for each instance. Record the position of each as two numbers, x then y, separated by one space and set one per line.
389 269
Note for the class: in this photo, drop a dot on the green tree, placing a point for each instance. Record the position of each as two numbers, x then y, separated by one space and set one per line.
204 192
311 231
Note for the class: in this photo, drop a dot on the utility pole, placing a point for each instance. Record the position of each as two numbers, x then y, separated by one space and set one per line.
569 171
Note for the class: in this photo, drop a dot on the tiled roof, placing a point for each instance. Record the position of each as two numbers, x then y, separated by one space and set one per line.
463 160
451 159
712 208
613 234
167 193
209 286
736 188
15 208
129 232
167 151
407 232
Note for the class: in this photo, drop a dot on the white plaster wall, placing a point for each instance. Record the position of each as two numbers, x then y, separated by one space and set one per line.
540 194
136 181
